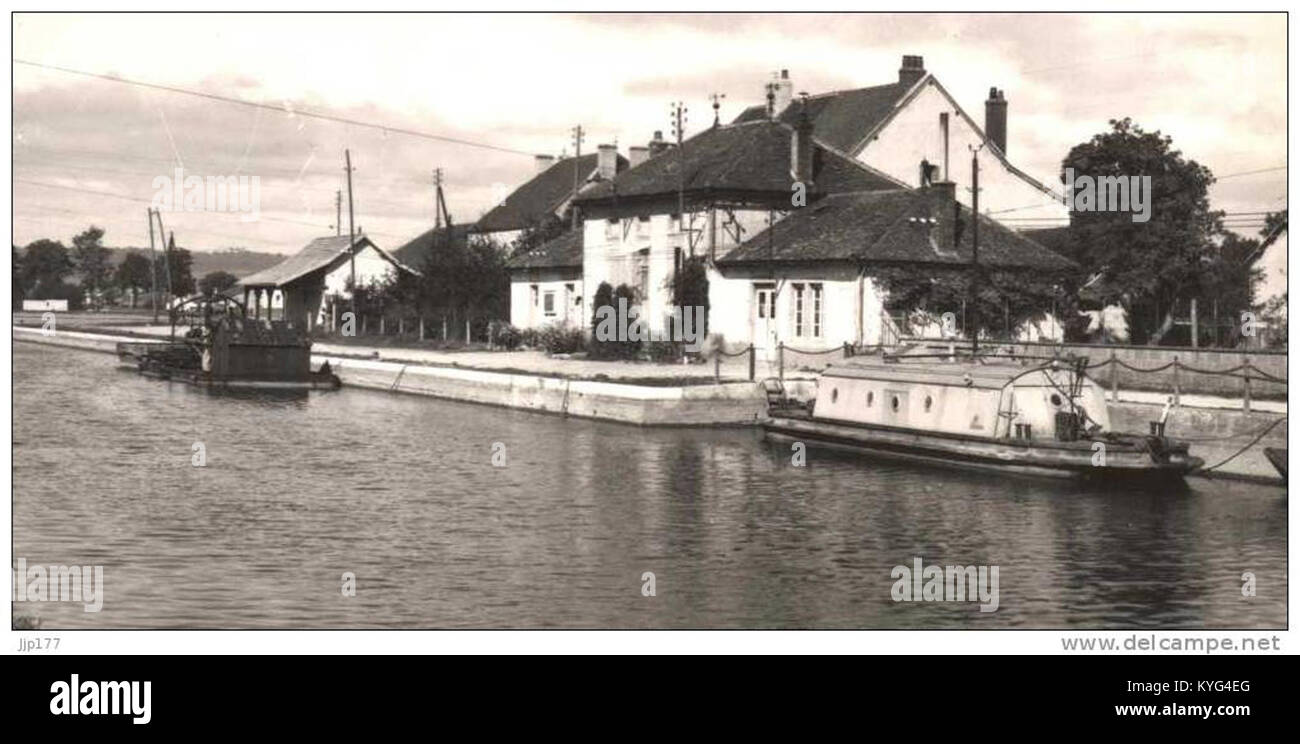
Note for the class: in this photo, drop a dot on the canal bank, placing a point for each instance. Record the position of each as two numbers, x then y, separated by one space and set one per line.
1216 433
723 404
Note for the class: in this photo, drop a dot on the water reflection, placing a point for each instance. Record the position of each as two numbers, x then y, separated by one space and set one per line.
401 491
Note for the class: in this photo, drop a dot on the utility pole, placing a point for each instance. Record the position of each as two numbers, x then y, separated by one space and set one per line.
975 250
338 213
437 199
352 239
577 154
171 246
678 127
153 269
167 268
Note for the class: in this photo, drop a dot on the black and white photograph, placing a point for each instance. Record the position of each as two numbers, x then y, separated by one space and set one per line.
969 323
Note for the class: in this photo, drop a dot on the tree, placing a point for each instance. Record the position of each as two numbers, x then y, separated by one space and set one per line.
215 282
133 275
1007 298
539 233
1145 266
93 260
177 264
463 279
45 263
690 287
16 271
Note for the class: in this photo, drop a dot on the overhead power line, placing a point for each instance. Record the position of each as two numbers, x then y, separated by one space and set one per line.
270 107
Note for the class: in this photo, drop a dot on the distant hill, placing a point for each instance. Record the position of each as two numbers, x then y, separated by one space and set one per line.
236 261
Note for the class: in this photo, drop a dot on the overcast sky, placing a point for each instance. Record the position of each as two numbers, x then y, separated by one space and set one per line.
1216 83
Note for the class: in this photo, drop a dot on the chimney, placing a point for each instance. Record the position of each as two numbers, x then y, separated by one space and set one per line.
782 92
913 69
544 162
607 162
637 155
801 147
943 213
658 145
941 192
995 119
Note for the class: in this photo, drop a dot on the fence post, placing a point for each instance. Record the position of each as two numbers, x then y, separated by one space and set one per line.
1114 377
752 354
444 328
381 325
717 367
421 327
1245 382
1177 389
780 359
401 325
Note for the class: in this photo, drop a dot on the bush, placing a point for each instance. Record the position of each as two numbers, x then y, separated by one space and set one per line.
665 351
505 335
558 339
607 296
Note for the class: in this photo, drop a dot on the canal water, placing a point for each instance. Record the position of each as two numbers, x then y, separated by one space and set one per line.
403 493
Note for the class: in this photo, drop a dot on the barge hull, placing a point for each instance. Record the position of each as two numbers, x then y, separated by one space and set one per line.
1044 459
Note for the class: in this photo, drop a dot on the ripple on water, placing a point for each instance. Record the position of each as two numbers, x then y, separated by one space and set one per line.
400 491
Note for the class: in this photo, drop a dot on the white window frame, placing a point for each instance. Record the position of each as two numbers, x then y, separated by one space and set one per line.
817 301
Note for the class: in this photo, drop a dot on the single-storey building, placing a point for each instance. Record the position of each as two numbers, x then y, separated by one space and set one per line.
808 280
302 285
546 284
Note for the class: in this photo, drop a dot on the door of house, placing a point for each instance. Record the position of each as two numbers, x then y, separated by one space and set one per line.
763 319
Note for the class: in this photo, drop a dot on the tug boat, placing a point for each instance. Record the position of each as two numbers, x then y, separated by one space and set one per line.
1020 416
230 350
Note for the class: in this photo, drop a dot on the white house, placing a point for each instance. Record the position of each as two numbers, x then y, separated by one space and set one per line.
733 182
546 284
808 281
895 126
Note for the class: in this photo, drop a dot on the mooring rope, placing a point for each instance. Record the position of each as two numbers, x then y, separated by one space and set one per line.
1252 443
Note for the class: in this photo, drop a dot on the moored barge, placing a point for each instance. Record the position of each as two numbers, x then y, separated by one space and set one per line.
230 350
1036 418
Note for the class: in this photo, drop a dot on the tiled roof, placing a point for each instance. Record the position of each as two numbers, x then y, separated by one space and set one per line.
748 157
562 252
415 251
840 119
318 254
540 196
891 227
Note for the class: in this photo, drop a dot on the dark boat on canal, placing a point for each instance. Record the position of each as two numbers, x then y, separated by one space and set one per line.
224 348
